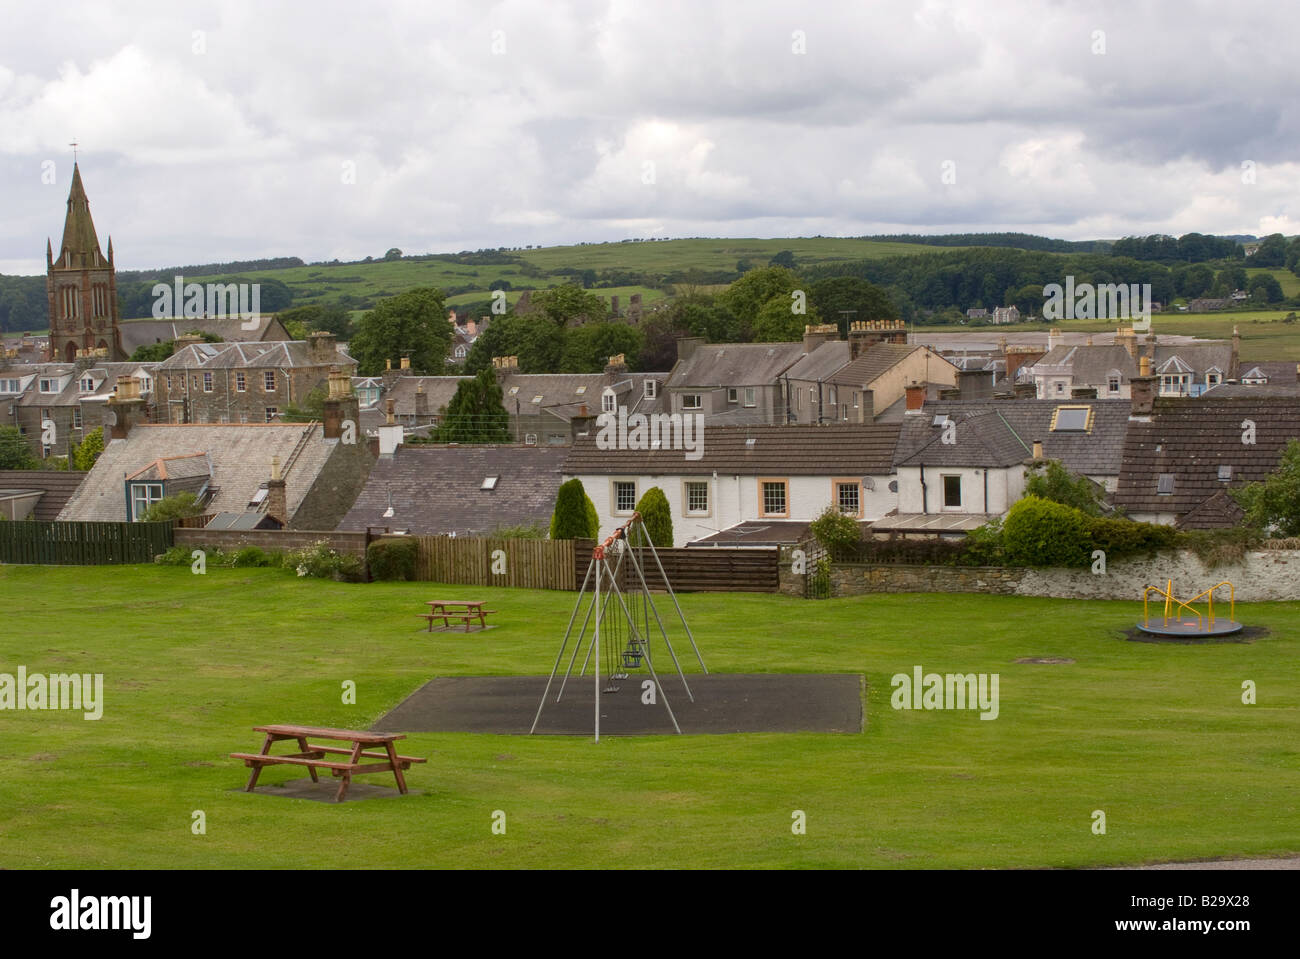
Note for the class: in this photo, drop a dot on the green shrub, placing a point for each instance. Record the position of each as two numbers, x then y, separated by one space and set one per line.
173 507
1122 537
183 555
391 559
251 556
983 546
575 514
657 516
1219 547
322 561
837 533
1039 532
522 531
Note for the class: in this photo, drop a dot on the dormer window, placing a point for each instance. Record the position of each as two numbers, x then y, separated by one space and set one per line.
87 384
650 389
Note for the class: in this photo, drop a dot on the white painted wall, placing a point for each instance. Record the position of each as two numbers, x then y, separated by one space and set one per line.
732 500
1005 486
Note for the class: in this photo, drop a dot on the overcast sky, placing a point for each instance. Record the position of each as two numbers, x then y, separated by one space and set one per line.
228 130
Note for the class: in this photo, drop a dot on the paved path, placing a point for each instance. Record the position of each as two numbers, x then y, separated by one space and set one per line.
1288 862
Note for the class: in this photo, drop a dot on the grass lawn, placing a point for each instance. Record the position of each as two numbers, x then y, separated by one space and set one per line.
1154 735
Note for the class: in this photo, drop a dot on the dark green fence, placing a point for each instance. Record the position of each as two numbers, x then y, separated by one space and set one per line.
83 544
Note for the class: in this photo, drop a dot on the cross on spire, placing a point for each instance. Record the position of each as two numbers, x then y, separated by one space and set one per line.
74 146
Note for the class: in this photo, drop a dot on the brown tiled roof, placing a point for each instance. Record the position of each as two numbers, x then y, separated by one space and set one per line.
840 449
1217 512
1189 439
58 487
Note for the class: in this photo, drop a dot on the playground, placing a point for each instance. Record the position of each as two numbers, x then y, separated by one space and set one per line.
1155 734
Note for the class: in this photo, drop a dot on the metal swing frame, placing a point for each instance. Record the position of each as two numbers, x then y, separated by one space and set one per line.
604 579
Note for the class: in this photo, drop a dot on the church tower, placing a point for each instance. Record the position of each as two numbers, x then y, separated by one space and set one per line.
82 286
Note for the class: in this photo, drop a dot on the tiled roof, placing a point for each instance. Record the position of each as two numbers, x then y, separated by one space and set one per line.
823 362
241 463
878 358
57 485
1189 439
714 365
759 533
1097 452
147 332
836 450
437 389
437 490
982 439
279 354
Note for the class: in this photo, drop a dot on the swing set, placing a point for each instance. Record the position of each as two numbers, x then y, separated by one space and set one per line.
621 633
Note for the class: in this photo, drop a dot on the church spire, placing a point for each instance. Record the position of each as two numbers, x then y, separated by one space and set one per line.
79 237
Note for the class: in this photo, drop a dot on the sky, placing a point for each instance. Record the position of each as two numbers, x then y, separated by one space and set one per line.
220 131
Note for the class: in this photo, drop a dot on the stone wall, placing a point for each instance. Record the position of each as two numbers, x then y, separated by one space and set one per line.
1263 575
277 539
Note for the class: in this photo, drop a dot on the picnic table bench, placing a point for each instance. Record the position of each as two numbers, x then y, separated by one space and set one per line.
313 756
465 610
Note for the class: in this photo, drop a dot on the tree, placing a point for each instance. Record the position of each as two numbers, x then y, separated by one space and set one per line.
777 322
1274 503
329 317
172 507
566 302
311 411
393 254
1052 481
836 532
88 450
657 516
745 297
849 299
153 352
15 454
476 413
1264 288
587 349
1271 252
414 322
1232 278
575 514
785 258
659 337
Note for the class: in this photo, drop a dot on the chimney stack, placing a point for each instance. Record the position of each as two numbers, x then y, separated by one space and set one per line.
341 406
390 434
582 423
1142 391
1038 449
867 406
687 345
277 502
815 335
1234 361
321 349
406 365
421 400
617 365
184 340
127 406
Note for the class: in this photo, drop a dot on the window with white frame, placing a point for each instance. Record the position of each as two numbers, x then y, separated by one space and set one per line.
951 492
774 497
624 496
1112 383
692 401
49 386
751 396
733 394
848 496
697 498
608 402
87 384
76 417
207 382
241 383
144 495
268 381
650 389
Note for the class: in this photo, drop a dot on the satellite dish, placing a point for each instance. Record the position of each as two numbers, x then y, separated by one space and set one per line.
868 483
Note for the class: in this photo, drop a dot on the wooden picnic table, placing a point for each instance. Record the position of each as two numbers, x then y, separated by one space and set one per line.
313 756
465 610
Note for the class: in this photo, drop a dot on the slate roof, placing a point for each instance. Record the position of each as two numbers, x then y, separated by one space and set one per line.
280 354
438 389
241 462
822 363
57 486
1190 439
1097 452
832 450
147 332
982 438
878 358
1091 365
436 490
714 365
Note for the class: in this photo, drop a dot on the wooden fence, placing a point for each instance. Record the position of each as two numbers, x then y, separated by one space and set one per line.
529 563
699 569
83 544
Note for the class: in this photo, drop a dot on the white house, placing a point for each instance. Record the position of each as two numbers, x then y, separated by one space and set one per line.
776 477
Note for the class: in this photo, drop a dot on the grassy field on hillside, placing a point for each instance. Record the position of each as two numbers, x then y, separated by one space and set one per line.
1154 735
